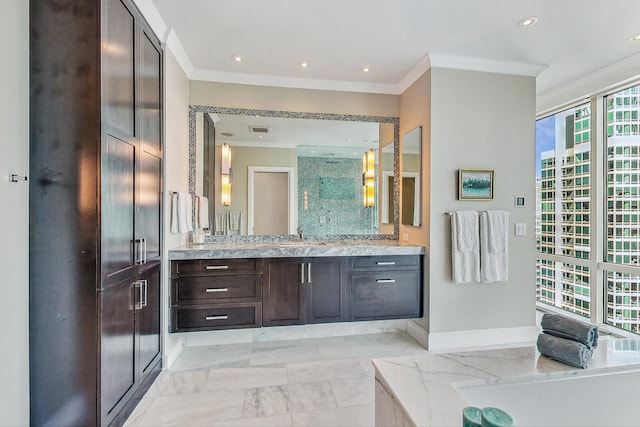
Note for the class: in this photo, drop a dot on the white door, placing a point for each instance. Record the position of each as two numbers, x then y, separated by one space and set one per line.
271 201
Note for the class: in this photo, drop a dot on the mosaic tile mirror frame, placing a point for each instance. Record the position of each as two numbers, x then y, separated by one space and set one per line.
329 205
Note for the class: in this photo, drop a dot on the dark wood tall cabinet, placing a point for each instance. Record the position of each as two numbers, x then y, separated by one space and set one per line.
95 210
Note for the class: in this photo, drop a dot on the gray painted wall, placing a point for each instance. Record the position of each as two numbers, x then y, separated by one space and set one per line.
486 121
14 215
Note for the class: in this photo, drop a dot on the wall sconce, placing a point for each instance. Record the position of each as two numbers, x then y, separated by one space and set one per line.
226 175
306 200
368 179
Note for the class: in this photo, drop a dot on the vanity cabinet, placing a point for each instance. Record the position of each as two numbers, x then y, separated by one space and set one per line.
210 294
385 287
95 201
216 294
304 290
130 331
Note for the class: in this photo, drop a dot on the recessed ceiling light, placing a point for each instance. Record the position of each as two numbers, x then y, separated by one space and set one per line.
528 21
635 38
365 70
237 58
303 64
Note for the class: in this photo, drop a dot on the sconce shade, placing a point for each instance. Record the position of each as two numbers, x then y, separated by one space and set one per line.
225 175
368 179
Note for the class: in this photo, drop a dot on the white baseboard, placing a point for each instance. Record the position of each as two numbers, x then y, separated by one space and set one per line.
482 337
417 333
173 352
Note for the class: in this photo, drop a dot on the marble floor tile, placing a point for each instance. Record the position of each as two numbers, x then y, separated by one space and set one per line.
181 382
251 377
354 416
288 398
286 354
285 420
310 381
324 370
353 391
193 358
191 409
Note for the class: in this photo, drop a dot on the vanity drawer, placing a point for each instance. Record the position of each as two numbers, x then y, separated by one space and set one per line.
217 288
212 267
382 262
220 316
385 295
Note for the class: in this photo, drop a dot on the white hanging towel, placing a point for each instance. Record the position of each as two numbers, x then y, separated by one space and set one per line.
234 221
221 222
189 210
202 212
494 244
175 203
465 247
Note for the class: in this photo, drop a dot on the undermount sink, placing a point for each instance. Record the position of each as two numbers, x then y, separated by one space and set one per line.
301 243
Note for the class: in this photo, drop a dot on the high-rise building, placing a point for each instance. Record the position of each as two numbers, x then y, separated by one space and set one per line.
564 218
623 201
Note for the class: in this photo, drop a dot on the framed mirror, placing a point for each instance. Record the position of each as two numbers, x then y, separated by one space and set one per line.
411 172
292 171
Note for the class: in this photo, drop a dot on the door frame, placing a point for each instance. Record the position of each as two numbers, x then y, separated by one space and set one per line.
292 190
416 197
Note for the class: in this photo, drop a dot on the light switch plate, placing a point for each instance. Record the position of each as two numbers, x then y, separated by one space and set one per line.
521 229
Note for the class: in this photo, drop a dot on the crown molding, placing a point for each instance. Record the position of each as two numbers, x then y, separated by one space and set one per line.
172 41
605 80
294 82
485 65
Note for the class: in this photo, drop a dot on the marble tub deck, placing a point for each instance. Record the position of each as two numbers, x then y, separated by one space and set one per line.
422 390
303 382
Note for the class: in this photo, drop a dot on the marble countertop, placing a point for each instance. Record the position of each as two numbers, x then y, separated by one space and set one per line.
426 387
293 248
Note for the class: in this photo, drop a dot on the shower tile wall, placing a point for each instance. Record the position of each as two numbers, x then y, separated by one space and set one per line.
334 191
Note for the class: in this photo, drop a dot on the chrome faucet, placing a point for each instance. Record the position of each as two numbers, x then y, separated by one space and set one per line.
300 233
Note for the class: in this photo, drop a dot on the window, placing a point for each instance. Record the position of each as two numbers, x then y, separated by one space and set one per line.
565 261
565 139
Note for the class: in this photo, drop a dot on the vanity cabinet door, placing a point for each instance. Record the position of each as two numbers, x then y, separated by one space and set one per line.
283 296
326 292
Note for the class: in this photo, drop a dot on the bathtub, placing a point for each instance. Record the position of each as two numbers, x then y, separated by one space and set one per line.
589 398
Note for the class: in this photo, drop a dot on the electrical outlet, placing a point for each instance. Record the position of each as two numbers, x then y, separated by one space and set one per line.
405 237
521 229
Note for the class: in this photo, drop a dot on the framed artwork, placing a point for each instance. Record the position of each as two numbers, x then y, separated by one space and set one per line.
475 184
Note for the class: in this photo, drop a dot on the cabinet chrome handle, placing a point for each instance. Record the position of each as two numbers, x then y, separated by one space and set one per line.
209 290
216 267
309 273
145 293
138 258
144 252
385 281
385 263
223 317
139 287
302 272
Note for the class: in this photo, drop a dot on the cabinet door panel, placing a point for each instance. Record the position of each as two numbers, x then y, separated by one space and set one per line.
117 350
149 320
380 295
327 295
283 296
149 204
150 94
119 67
118 205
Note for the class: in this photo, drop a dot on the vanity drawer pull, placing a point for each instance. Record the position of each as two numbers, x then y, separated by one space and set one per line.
385 280
385 263
223 317
209 290
216 267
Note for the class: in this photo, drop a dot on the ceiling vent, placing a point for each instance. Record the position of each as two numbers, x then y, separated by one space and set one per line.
259 129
